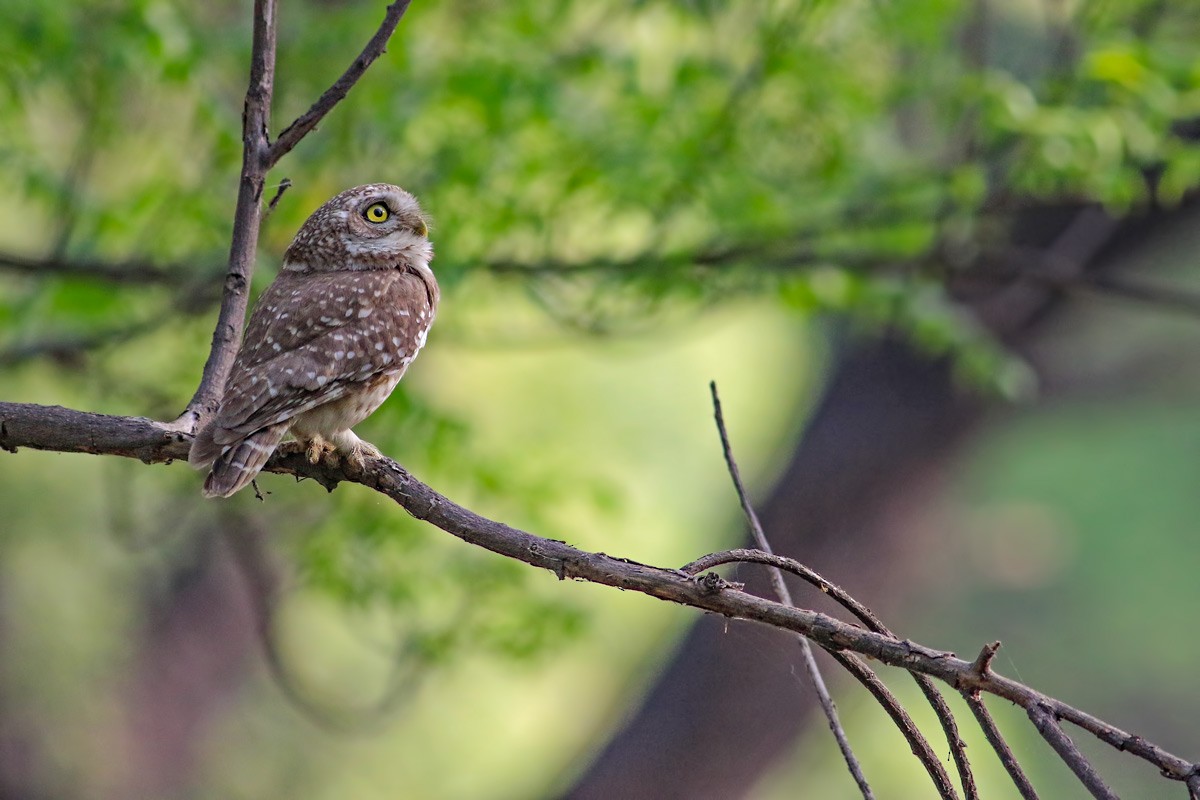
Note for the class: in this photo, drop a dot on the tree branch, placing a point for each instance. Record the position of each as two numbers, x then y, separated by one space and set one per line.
912 734
938 703
1003 751
307 121
135 271
64 430
785 597
256 115
1048 727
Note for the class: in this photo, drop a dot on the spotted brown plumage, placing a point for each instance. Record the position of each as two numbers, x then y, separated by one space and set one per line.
329 339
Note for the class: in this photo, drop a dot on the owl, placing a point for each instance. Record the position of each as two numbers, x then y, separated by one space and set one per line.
328 340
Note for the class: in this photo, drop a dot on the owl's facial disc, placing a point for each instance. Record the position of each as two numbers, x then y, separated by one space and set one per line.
375 226
391 212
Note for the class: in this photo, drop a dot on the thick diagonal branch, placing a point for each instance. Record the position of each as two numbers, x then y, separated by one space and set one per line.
64 430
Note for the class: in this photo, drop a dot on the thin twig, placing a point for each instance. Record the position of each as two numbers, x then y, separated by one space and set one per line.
912 734
837 593
785 597
1043 719
868 618
283 186
996 740
307 121
958 748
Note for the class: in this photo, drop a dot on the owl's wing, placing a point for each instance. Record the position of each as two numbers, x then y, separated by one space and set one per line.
314 338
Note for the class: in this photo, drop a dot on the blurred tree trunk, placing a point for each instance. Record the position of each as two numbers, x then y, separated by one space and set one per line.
192 656
197 651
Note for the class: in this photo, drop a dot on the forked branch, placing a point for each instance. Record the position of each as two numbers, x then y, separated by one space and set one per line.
781 592
258 156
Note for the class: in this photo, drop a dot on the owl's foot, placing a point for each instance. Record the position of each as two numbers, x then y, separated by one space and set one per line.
318 447
360 452
342 445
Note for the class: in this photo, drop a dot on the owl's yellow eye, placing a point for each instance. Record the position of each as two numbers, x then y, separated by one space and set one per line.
376 212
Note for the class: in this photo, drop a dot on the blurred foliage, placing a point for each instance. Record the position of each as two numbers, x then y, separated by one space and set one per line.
609 171
631 137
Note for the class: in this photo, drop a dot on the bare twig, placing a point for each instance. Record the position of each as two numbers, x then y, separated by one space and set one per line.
1043 719
307 121
793 566
912 734
981 666
983 661
996 740
958 748
785 596
65 430
283 186
936 701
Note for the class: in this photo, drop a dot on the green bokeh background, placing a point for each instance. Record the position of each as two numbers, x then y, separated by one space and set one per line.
629 200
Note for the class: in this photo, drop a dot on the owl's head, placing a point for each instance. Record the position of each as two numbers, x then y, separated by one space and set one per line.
377 226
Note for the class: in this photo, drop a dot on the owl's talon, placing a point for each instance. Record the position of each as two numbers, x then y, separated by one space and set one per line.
357 457
318 447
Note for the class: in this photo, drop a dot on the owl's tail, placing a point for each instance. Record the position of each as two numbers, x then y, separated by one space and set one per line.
233 465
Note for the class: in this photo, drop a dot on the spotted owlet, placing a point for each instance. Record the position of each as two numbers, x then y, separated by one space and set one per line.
329 339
